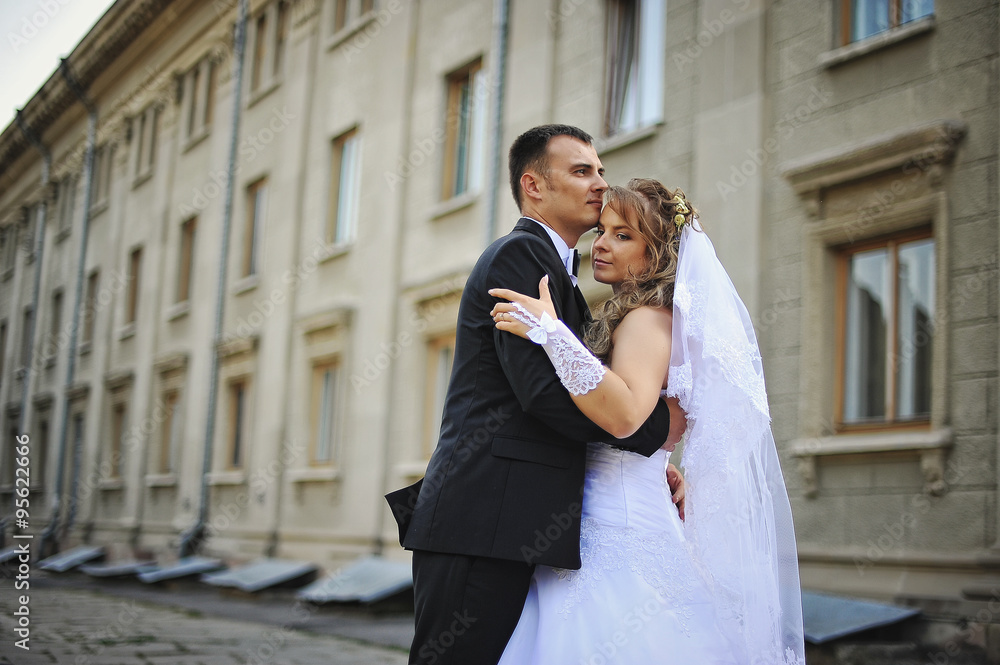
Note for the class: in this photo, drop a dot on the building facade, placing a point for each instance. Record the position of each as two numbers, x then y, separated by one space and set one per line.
229 284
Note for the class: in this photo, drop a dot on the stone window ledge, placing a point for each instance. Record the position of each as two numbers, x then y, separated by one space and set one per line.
930 445
876 42
237 477
111 484
178 310
245 284
314 474
610 144
412 470
161 480
454 204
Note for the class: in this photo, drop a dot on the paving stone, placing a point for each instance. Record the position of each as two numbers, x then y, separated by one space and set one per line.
86 627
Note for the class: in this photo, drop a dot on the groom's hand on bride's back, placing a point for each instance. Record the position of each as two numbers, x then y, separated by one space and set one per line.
678 423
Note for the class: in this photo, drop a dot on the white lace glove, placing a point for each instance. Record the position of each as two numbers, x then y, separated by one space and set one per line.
578 369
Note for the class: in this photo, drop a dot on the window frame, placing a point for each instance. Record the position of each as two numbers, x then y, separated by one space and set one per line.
55 324
237 432
320 367
895 20
118 425
144 132
89 314
471 74
340 232
134 278
169 431
645 77
250 261
185 259
436 386
3 349
843 256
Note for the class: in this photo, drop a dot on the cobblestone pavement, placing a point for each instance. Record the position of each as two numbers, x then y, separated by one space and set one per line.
78 626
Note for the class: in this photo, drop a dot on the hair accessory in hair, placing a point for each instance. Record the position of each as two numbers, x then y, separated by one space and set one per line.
682 209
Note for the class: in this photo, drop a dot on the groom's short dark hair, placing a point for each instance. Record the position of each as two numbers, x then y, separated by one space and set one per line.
528 151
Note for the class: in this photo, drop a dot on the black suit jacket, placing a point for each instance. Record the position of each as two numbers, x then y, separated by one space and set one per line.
506 478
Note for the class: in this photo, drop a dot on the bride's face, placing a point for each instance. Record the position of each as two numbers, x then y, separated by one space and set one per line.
618 251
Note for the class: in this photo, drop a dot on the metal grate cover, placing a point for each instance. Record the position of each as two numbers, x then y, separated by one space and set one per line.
261 574
60 563
118 569
191 565
366 580
828 617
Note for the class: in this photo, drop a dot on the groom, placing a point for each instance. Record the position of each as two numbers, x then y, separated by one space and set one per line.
503 488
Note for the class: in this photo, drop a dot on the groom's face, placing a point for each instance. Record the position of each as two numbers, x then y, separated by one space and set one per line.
573 186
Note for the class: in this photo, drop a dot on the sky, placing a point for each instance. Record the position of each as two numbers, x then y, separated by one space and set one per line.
34 34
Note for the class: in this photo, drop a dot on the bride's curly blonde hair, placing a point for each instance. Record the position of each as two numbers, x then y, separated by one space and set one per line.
658 215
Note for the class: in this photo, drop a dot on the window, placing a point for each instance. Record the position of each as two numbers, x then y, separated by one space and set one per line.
101 184
633 76
55 326
440 354
9 464
26 337
8 249
199 91
185 267
90 308
144 136
237 423
3 349
40 452
345 185
169 432
134 273
280 38
117 435
66 201
860 19
325 393
464 128
886 324
256 202
340 14
30 225
270 38
346 13
259 52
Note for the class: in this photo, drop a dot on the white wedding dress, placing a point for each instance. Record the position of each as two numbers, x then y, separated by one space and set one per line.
639 597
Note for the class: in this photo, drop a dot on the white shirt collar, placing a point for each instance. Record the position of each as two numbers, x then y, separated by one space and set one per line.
565 251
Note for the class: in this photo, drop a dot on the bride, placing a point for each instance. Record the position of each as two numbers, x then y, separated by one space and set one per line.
721 586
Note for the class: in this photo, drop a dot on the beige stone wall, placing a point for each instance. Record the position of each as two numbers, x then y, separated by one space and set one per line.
751 120
873 524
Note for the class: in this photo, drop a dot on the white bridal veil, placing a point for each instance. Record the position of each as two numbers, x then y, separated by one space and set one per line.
737 516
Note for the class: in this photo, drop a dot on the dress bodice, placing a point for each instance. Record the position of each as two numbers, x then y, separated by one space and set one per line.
625 489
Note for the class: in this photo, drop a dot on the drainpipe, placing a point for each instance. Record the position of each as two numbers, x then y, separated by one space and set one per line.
88 167
395 276
191 539
36 287
501 23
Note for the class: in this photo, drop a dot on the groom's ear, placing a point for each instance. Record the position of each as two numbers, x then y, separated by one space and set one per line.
529 185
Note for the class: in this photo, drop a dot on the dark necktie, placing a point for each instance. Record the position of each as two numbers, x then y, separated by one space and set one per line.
576 263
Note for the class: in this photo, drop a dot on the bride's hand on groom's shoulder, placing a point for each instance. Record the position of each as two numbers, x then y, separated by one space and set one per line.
506 316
